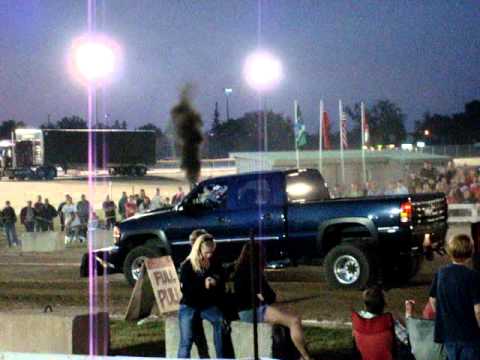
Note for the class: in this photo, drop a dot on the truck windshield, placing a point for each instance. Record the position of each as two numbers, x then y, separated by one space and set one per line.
305 186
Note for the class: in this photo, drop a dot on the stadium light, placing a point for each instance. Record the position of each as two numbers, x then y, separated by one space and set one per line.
94 59
263 72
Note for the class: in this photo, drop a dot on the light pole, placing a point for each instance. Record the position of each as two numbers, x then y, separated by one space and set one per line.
263 72
227 92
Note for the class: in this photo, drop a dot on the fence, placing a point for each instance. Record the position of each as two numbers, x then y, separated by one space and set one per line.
468 150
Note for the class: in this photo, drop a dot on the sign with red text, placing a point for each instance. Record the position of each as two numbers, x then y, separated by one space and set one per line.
165 283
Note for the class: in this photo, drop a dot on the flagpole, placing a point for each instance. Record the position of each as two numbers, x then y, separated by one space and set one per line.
362 132
295 112
320 135
342 165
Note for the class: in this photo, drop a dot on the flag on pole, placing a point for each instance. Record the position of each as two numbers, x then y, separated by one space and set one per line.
326 131
343 130
300 132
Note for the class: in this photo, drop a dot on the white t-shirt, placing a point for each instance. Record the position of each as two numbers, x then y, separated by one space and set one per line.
68 210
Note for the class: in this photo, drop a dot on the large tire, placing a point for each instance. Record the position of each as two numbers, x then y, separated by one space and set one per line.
141 171
51 173
41 173
348 266
134 261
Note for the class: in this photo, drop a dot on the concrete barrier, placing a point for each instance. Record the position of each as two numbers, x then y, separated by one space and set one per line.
55 240
54 332
42 241
463 213
273 341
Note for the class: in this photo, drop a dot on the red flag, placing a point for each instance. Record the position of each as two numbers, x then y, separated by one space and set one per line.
326 131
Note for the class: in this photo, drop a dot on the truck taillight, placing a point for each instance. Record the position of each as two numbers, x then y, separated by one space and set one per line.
406 212
116 234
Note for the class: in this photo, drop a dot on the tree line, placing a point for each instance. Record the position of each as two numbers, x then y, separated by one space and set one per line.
386 123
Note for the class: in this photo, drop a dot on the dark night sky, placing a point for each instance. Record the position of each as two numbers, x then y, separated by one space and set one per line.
421 54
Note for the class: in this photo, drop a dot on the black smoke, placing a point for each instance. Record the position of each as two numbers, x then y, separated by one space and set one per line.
188 130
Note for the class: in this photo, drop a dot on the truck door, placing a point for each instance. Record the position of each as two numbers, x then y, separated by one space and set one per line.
258 202
207 207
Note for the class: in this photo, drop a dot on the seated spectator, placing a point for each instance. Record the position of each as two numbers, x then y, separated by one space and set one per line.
455 296
467 197
202 286
400 188
265 311
374 338
374 301
420 334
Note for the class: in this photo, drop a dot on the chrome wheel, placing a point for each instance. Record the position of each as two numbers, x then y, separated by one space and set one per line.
346 269
137 265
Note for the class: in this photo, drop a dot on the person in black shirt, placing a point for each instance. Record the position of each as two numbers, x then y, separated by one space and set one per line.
266 312
455 296
109 209
9 219
202 286
50 213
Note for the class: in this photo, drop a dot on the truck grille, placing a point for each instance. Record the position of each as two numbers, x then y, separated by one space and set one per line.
429 211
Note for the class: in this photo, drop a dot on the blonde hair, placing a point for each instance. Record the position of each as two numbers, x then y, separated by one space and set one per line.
196 234
195 255
460 247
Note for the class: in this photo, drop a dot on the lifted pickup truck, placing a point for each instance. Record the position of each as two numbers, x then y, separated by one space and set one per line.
357 239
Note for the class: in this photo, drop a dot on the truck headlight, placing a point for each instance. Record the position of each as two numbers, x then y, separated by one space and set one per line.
116 234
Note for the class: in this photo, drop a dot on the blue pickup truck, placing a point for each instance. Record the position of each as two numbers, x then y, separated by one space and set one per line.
291 212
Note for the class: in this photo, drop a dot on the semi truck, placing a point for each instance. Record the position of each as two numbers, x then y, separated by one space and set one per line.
39 153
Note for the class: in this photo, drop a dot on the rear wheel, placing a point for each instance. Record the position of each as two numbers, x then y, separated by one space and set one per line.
348 266
50 173
141 171
41 173
133 263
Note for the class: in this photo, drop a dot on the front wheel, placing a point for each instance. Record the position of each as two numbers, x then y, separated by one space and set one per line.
348 266
132 267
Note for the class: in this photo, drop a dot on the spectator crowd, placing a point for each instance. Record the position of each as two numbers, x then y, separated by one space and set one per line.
461 185
76 218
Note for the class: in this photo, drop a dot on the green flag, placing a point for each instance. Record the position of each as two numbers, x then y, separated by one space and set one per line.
300 132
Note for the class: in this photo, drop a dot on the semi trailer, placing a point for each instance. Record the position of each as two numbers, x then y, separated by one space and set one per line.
39 153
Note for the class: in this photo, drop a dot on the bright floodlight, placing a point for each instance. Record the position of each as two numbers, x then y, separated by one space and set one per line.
94 58
262 71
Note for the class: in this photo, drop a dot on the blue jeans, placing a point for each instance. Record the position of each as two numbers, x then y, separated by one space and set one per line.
247 315
11 234
460 351
186 317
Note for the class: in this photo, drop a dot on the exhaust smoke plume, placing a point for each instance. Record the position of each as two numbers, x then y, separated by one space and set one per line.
188 130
